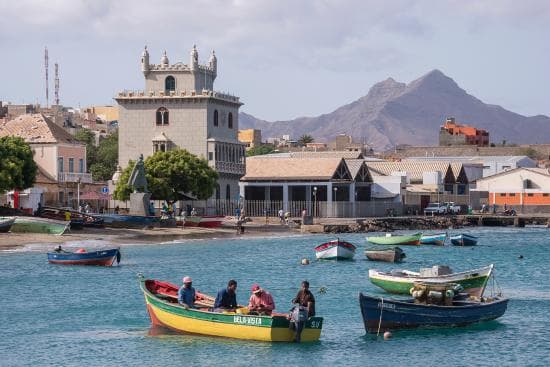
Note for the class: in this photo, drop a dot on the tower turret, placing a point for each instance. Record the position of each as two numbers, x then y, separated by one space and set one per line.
194 61
164 60
213 64
145 61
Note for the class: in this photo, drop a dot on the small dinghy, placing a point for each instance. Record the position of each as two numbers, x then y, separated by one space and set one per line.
83 257
335 250
390 255
464 240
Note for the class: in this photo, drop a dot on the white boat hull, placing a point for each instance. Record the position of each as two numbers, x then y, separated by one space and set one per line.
335 253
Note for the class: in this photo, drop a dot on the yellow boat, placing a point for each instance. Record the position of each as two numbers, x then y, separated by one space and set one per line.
164 310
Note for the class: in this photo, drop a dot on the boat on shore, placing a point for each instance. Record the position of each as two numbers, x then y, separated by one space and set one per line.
6 223
164 311
401 281
390 255
437 239
78 220
463 239
389 239
382 314
335 250
105 257
39 225
127 221
205 221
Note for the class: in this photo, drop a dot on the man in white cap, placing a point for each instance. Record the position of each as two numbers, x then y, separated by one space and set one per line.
186 294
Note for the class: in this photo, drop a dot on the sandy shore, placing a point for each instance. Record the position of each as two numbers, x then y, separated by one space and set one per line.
121 236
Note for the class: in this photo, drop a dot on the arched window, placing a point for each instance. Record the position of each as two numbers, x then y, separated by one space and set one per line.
169 84
162 116
215 117
228 192
230 121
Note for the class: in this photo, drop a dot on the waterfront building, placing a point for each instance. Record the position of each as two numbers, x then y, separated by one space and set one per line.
452 133
179 108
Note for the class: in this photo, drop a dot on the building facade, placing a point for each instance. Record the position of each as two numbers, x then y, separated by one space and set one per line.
180 109
452 133
250 137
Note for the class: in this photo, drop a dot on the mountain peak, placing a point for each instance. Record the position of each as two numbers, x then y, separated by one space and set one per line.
435 80
386 89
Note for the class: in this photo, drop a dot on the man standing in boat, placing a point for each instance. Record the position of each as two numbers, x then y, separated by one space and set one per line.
305 299
261 301
186 294
304 309
226 300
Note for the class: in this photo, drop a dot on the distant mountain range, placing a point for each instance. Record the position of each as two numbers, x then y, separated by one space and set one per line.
395 113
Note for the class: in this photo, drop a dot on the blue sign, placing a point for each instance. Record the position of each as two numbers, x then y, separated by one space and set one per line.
105 190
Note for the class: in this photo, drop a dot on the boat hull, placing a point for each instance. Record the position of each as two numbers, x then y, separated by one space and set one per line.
211 221
101 258
473 281
433 239
384 314
389 255
396 240
335 250
5 224
127 221
39 225
230 325
464 240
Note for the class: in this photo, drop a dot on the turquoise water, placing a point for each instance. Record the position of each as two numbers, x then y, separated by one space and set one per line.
54 315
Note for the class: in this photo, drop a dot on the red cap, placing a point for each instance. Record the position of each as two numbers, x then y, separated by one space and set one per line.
256 288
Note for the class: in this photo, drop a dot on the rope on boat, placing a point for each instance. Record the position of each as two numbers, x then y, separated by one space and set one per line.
380 321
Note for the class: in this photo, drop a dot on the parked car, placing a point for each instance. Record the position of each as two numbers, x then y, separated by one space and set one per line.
435 209
451 208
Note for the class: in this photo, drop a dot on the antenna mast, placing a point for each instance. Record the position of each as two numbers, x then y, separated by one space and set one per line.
46 67
56 83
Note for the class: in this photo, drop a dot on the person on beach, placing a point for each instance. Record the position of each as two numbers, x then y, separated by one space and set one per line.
226 299
186 294
261 301
281 216
193 212
151 208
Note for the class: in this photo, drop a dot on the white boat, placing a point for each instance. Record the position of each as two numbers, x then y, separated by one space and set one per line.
335 250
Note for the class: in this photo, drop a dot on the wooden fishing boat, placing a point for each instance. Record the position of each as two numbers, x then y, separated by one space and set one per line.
437 239
164 311
81 257
78 219
381 314
463 239
39 225
127 221
390 255
188 221
389 239
335 250
6 223
205 221
401 281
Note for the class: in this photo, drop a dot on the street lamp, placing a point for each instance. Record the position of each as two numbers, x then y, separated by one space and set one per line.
334 201
78 193
314 200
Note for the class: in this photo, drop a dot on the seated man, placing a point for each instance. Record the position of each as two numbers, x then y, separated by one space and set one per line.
261 301
226 300
186 294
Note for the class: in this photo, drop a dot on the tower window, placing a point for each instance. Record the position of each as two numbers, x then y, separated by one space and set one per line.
169 84
215 117
230 121
162 116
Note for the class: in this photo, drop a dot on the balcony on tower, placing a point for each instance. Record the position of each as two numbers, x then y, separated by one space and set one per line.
226 157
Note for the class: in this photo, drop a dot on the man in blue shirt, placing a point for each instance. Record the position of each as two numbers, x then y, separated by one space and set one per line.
186 294
226 300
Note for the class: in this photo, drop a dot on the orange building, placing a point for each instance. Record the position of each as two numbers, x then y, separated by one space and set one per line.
452 133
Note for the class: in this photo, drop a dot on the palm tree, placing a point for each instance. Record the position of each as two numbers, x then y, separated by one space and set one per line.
304 139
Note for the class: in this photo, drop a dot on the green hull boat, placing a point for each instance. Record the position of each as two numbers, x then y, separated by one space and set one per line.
39 225
389 239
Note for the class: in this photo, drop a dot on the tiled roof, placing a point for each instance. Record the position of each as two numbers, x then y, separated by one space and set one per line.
541 171
354 165
36 128
287 169
414 169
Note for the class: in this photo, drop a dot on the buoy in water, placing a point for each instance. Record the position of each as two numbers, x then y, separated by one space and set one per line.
387 335
305 261
520 257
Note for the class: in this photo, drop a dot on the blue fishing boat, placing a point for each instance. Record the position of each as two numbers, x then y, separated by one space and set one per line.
83 257
382 314
437 239
463 240
127 221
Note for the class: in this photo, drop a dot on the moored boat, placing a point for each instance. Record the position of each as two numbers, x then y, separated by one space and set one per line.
335 250
401 281
382 314
437 239
390 255
105 257
77 219
127 221
389 239
463 239
6 223
164 311
211 221
39 225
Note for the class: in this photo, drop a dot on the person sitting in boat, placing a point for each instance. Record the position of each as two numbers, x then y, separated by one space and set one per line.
186 294
305 299
226 299
59 249
261 301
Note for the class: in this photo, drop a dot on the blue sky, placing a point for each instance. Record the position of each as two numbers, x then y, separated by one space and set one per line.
283 58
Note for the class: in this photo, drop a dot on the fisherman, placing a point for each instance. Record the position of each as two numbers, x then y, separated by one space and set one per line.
59 249
186 294
226 300
304 309
305 299
261 301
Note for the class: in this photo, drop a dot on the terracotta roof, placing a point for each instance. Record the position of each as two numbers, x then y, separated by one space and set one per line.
414 169
286 169
37 128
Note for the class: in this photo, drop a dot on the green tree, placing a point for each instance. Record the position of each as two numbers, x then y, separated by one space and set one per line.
260 150
304 139
87 137
17 167
106 158
171 174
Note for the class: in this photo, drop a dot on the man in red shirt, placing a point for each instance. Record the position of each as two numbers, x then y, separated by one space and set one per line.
261 301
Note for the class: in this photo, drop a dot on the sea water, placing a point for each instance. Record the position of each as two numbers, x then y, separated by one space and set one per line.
55 315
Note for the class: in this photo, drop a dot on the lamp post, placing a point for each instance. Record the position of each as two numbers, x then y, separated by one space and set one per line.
334 202
78 193
314 200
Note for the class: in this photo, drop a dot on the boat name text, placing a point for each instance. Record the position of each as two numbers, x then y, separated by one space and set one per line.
247 320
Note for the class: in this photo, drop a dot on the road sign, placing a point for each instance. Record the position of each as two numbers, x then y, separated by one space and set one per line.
105 190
